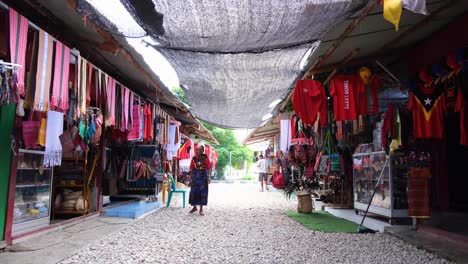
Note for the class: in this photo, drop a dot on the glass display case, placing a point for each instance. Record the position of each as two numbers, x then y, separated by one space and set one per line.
391 198
33 192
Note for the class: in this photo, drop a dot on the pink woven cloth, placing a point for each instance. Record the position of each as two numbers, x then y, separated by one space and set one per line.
18 40
61 71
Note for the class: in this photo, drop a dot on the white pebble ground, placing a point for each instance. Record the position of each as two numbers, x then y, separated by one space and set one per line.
242 225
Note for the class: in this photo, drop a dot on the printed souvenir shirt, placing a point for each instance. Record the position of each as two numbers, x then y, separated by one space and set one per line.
345 89
428 105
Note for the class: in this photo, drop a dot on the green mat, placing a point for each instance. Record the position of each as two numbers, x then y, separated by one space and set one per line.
324 222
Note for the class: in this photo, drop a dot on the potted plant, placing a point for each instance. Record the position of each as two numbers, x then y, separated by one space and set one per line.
301 180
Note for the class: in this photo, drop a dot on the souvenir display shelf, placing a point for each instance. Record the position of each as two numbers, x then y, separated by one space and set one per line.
391 198
33 192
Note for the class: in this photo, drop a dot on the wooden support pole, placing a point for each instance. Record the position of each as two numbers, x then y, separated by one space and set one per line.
366 10
319 62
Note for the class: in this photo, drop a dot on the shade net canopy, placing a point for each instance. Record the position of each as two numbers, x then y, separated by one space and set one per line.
234 58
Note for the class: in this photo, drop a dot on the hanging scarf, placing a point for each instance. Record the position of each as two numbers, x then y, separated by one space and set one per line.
44 69
61 72
125 105
53 147
130 109
82 81
18 40
110 91
89 77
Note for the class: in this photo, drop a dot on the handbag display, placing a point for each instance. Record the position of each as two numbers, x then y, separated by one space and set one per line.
67 138
278 180
30 132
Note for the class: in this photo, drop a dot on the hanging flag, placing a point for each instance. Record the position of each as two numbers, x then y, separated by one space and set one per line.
392 10
415 6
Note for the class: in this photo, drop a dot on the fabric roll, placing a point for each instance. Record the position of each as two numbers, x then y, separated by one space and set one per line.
285 134
44 68
61 73
18 42
53 147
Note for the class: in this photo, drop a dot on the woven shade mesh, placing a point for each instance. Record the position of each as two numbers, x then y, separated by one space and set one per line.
234 58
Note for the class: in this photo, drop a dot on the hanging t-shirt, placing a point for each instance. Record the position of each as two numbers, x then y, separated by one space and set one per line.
368 102
428 105
308 99
185 152
344 90
460 106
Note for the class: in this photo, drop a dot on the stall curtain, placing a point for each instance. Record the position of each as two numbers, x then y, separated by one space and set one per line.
18 40
44 70
61 72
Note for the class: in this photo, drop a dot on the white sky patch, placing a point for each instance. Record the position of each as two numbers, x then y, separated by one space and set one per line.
115 12
156 61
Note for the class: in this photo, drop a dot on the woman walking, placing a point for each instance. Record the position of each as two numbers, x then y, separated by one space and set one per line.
200 178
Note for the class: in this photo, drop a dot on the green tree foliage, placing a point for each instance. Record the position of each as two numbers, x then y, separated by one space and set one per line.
181 94
228 144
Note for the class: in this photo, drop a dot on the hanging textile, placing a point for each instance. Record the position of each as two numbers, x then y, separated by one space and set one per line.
462 107
82 81
125 92
89 78
61 73
130 111
309 99
285 133
44 69
53 147
428 107
111 93
344 90
415 6
134 134
171 147
392 10
148 135
18 43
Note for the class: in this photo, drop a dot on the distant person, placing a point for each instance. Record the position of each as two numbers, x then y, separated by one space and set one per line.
262 173
199 178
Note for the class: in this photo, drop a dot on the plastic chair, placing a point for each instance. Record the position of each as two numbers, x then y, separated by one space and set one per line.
173 189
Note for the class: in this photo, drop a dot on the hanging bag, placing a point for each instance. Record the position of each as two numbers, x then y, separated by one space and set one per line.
30 132
278 180
67 137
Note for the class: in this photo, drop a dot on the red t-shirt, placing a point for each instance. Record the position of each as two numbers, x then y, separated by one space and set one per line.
308 99
428 105
460 107
204 165
345 90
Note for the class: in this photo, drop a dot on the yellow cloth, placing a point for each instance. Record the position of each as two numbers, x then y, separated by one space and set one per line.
392 10
365 74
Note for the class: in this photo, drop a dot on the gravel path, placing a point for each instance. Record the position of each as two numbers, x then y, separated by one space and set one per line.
242 225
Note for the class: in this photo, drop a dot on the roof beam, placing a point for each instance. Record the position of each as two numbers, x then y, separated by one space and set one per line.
366 10
351 27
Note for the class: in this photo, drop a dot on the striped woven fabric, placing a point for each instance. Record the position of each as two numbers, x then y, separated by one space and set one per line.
18 40
418 193
61 71
44 68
